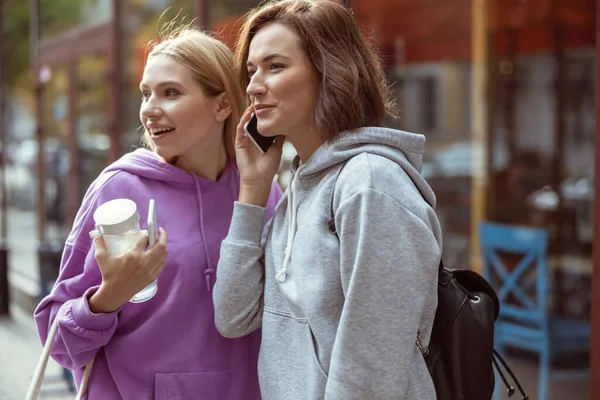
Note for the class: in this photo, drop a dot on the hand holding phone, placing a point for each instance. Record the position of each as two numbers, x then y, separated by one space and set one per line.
152 225
261 142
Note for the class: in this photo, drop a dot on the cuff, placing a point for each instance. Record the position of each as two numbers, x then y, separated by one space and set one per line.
247 224
86 319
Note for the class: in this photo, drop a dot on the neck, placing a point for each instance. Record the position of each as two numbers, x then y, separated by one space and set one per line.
306 143
206 163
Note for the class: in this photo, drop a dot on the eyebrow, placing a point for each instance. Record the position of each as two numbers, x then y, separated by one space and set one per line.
267 58
165 83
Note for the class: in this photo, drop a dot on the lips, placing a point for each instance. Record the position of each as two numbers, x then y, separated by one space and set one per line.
262 108
156 130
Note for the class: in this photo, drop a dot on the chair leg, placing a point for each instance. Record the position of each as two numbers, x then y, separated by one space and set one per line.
544 374
499 388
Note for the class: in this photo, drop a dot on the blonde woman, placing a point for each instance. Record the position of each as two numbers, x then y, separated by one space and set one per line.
167 347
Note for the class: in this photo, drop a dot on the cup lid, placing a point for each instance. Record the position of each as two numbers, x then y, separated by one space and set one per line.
116 216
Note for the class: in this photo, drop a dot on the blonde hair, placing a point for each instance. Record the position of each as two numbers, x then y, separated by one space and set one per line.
212 65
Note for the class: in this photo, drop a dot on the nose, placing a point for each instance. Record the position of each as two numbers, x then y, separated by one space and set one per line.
256 87
149 108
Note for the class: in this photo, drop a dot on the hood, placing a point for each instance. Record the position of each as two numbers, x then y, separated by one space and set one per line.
148 164
404 148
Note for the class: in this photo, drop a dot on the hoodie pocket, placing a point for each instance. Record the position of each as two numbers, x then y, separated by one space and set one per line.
288 363
212 385
314 350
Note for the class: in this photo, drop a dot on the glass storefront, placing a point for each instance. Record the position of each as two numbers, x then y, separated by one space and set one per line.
536 127
543 121
433 99
429 69
93 142
56 143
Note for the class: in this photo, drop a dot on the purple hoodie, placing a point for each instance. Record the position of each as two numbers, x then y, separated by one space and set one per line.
167 347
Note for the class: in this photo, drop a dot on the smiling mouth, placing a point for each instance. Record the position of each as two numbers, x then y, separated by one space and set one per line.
160 132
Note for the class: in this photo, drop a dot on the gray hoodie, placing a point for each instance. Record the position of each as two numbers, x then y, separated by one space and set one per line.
339 313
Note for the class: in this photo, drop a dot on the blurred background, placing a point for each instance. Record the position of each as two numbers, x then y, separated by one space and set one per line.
503 90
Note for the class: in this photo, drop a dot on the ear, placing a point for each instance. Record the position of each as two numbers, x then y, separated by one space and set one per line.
223 108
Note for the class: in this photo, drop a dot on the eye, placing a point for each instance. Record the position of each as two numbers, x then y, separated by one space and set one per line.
275 66
251 73
145 95
171 92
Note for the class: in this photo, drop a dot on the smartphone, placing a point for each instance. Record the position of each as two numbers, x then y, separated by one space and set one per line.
261 142
152 225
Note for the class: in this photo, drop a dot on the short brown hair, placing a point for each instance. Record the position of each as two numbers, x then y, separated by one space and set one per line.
353 90
212 65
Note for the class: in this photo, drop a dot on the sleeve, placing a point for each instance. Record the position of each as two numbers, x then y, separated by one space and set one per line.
80 333
238 292
388 261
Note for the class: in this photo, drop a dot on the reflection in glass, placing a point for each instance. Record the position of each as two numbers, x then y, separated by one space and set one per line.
433 99
60 16
92 100
56 157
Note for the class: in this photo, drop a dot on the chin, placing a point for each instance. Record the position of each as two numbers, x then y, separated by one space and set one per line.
268 131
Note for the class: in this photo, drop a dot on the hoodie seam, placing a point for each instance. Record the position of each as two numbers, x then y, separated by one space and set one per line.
369 156
377 191
284 314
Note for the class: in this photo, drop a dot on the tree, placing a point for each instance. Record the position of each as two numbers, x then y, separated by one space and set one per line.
55 16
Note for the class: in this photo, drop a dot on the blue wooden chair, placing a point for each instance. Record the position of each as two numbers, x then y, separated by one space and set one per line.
525 321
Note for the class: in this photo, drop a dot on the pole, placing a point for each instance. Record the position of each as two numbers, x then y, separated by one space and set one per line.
39 114
478 125
4 287
595 351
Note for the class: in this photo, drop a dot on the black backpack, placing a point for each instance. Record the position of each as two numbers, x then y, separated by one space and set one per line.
460 355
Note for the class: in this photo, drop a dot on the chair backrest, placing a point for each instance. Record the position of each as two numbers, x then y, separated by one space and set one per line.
522 286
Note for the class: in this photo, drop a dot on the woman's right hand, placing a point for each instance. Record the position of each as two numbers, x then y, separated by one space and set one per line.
256 169
125 275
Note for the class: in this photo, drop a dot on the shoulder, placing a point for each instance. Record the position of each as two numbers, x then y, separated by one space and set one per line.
388 186
368 171
109 185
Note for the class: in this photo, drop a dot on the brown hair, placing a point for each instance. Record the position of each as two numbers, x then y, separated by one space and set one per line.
213 67
353 90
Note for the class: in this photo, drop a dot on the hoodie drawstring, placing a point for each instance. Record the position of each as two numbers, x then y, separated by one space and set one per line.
208 272
281 275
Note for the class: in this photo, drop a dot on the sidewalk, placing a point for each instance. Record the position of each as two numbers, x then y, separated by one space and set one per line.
23 273
20 349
